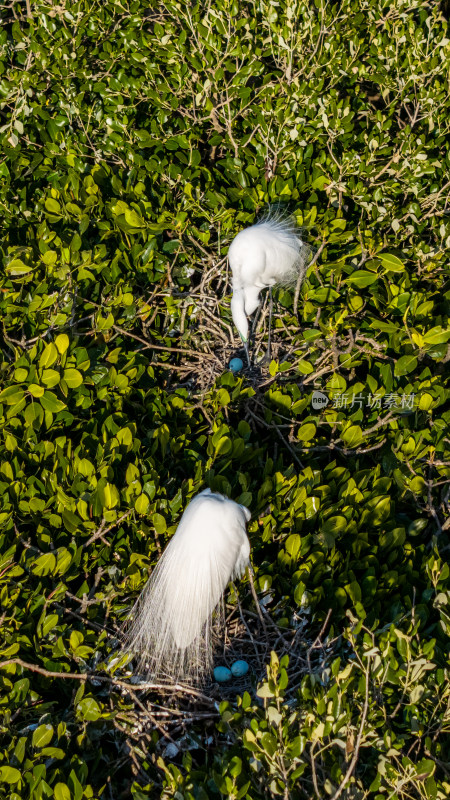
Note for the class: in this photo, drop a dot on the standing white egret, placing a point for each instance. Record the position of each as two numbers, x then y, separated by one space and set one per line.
173 618
268 253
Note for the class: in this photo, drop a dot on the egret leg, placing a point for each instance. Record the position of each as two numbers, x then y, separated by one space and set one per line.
247 353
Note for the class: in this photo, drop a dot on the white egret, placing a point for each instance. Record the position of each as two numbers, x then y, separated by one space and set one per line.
172 620
268 253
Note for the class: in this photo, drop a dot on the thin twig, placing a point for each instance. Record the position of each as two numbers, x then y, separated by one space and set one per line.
256 601
88 676
152 346
100 533
313 770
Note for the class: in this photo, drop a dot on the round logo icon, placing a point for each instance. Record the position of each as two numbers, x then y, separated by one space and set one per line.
319 400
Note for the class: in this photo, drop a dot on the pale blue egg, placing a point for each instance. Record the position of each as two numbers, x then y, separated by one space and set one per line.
239 668
222 674
236 364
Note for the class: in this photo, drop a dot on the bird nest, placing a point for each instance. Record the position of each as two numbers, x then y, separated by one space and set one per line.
177 710
205 338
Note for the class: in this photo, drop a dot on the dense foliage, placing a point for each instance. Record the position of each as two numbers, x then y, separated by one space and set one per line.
136 140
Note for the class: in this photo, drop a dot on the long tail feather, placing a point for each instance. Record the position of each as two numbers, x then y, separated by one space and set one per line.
174 619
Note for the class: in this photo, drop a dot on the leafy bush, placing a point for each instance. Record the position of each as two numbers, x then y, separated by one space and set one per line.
135 142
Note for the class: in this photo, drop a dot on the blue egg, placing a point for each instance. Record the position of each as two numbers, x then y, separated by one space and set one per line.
239 668
222 674
236 364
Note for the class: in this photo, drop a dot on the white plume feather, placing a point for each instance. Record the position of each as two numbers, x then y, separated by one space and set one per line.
172 620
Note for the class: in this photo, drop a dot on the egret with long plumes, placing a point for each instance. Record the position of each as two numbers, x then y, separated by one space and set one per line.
268 253
172 621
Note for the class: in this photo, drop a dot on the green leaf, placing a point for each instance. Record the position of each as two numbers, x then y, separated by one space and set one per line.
64 560
53 206
352 436
18 268
304 367
223 446
20 375
320 182
9 774
76 638
61 792
50 257
274 716
50 377
159 523
73 378
44 564
436 335
35 390
141 504
426 401
336 524
264 691
52 752
223 397
42 735
88 709
404 365
133 219
11 395
325 294
381 512
417 526
293 544
391 263
62 343
109 495
306 432
50 402
424 768
362 278
48 356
